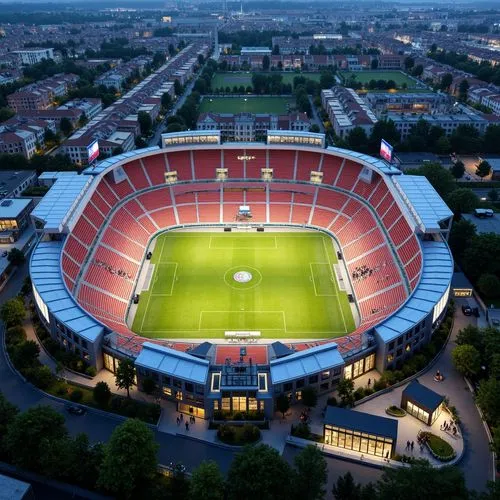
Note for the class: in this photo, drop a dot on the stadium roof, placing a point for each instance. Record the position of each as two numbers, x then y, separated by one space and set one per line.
377 163
423 201
109 162
303 363
58 204
47 279
281 350
436 278
173 363
423 396
363 422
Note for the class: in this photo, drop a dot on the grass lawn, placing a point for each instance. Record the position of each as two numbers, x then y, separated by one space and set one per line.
230 79
276 105
365 76
291 292
439 446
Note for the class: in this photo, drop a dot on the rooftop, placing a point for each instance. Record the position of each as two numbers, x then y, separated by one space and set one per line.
11 179
423 396
424 202
363 422
10 208
303 363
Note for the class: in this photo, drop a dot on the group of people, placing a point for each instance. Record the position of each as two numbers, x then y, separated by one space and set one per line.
180 420
410 445
112 270
363 272
451 427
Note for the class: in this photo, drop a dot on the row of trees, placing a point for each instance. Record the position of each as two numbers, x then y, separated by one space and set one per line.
424 137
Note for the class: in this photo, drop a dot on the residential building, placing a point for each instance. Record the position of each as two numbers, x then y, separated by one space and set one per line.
29 57
411 102
346 110
13 183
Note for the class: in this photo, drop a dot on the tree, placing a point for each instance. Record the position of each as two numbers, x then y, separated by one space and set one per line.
488 400
309 396
458 169
418 70
200 86
442 146
25 354
461 234
125 375
422 480
345 388
83 120
266 62
145 122
266 464
466 139
30 433
314 128
493 195
282 404
276 50
492 139
65 126
446 81
129 459
8 413
477 256
374 63
311 474
101 394
409 63
357 140
201 59
483 169
346 489
177 87
16 257
489 285
207 482
463 89
13 312
462 200
166 100
326 80
466 359
383 129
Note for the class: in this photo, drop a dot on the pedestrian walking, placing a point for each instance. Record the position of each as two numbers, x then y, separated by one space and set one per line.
412 445
408 444
369 382
182 417
187 426
194 419
178 421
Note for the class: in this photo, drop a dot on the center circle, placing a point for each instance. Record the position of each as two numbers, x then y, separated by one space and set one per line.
242 276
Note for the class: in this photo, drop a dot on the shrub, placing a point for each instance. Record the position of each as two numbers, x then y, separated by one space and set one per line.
395 411
301 430
359 393
148 385
226 433
332 401
76 395
441 449
41 376
251 433
380 384
101 394
91 371
368 391
15 335
25 354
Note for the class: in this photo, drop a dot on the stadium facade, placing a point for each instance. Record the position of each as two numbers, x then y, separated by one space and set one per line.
109 216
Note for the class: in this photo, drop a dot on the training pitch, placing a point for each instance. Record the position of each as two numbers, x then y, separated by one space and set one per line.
281 284
364 77
276 105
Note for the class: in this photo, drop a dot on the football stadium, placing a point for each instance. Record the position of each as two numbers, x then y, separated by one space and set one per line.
233 273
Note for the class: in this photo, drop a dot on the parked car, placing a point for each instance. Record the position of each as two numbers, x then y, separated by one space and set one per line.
467 310
76 410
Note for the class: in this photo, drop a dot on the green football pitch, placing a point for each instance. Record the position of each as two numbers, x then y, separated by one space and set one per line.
281 284
276 105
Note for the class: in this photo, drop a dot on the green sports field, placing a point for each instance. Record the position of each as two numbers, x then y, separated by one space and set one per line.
276 105
281 284
238 78
364 77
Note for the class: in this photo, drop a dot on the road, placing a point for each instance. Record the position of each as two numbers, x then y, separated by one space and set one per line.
178 104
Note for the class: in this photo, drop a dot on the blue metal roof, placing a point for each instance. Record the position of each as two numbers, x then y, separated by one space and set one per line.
174 363
423 201
59 203
362 422
377 163
304 363
45 271
109 162
423 396
435 280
